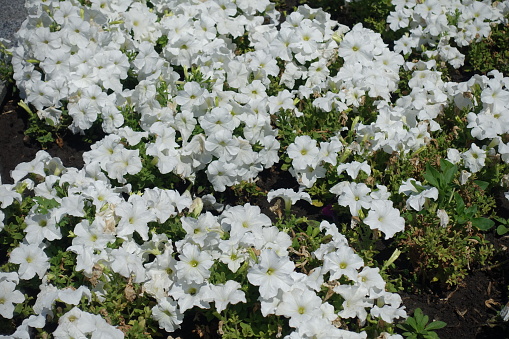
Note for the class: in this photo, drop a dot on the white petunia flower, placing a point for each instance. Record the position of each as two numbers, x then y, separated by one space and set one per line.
194 265
31 259
300 305
356 301
272 274
224 294
8 297
474 158
385 218
167 314
303 152
344 261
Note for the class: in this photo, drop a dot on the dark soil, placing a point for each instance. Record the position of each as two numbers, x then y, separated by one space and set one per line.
470 310
15 147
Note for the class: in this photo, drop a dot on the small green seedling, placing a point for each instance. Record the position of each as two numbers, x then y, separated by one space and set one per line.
417 327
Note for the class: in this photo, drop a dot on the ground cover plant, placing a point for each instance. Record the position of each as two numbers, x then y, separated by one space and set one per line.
189 107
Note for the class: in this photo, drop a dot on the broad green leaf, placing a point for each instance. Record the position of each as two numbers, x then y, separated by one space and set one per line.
501 230
436 325
449 171
461 220
411 321
460 204
445 164
431 335
431 175
316 231
471 211
483 224
422 322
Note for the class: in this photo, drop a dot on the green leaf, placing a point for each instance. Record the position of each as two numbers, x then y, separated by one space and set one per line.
483 224
247 330
422 322
461 220
501 230
482 184
432 175
17 236
316 231
411 321
436 325
445 165
442 182
431 335
449 170
460 204
403 327
501 220
419 188
471 211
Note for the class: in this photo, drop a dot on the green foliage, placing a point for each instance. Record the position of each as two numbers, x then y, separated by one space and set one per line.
6 70
306 238
417 327
449 191
371 13
245 191
503 228
14 224
131 117
445 253
161 43
62 271
45 132
442 179
237 321
465 214
490 53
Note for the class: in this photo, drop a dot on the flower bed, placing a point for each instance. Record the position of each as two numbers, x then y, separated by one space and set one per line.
186 103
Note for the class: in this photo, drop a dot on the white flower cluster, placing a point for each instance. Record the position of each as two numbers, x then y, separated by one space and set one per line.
200 105
490 121
441 24
417 197
382 215
405 125
176 272
77 60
